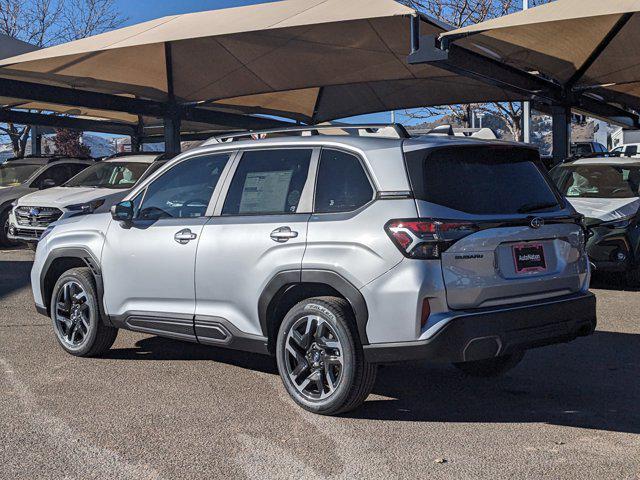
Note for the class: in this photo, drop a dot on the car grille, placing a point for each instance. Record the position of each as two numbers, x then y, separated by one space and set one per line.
28 233
37 216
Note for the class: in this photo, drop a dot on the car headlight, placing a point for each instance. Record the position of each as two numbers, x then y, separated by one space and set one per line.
88 207
46 232
622 222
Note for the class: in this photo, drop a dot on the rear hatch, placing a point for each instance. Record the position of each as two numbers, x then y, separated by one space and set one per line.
508 236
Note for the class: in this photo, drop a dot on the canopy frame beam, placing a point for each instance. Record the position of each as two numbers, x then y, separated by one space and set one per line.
30 91
599 50
561 98
58 121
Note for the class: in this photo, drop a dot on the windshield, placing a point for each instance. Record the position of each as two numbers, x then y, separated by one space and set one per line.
482 180
12 175
597 181
109 175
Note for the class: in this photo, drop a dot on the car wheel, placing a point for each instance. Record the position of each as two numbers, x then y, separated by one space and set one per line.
5 241
491 367
75 315
320 357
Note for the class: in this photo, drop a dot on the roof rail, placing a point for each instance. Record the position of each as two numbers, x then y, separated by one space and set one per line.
313 130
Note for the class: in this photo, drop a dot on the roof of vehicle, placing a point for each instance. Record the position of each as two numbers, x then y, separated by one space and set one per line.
362 142
139 158
627 161
44 160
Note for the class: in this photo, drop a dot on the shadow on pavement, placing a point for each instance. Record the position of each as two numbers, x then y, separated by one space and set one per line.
593 383
158 348
14 276
611 281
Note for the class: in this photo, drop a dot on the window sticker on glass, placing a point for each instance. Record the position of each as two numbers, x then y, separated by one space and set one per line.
265 191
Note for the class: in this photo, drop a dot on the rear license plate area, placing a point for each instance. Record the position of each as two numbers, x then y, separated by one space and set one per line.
529 257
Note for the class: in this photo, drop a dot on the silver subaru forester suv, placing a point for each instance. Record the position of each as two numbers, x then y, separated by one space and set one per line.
332 253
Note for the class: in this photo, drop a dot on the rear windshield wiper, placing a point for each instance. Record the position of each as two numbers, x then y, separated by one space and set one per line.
534 207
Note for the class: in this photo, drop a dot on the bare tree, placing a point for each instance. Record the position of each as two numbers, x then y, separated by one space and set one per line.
459 13
48 22
84 18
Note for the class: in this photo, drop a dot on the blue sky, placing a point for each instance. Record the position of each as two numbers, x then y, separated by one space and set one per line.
142 10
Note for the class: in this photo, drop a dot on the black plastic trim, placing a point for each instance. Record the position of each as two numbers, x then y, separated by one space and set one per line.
327 277
219 332
171 325
348 291
280 279
512 328
90 261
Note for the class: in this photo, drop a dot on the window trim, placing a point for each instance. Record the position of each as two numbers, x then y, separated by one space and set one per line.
143 189
305 196
367 174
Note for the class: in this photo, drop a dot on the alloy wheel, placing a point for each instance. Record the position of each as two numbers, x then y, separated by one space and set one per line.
314 357
73 314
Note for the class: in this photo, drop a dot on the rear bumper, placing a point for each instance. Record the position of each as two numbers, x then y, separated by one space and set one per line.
486 333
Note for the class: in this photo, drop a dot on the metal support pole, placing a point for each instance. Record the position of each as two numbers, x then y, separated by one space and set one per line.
526 106
415 33
172 135
135 144
561 116
36 141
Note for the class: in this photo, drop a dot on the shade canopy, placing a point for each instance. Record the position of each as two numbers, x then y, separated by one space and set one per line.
584 45
308 60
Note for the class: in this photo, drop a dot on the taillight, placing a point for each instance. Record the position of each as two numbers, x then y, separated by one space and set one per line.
427 238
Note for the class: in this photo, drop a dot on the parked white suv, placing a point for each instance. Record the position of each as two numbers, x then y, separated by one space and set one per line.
96 188
333 253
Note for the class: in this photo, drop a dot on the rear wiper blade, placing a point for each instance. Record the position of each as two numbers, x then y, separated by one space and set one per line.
534 207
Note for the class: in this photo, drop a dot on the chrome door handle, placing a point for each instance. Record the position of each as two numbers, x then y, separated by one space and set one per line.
283 234
184 236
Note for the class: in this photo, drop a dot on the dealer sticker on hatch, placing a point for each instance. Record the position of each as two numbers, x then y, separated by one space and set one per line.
529 258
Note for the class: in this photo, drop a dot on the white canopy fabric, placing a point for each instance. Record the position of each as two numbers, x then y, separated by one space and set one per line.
309 60
589 45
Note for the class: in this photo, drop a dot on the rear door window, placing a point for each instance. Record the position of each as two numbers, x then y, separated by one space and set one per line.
268 182
342 184
482 180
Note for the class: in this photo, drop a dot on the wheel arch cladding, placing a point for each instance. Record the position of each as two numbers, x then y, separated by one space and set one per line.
59 261
287 288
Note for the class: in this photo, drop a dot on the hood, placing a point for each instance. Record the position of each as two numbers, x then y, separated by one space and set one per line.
61 197
606 209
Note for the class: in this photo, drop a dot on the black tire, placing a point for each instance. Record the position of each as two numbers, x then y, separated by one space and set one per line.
356 377
491 367
4 223
99 337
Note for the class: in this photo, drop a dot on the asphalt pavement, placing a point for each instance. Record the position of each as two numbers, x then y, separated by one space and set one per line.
156 408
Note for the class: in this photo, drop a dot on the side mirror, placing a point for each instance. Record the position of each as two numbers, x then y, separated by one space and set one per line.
47 183
123 211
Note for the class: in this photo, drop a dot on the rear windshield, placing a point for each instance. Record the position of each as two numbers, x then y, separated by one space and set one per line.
482 180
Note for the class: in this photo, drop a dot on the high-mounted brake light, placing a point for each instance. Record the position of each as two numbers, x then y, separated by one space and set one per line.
427 238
